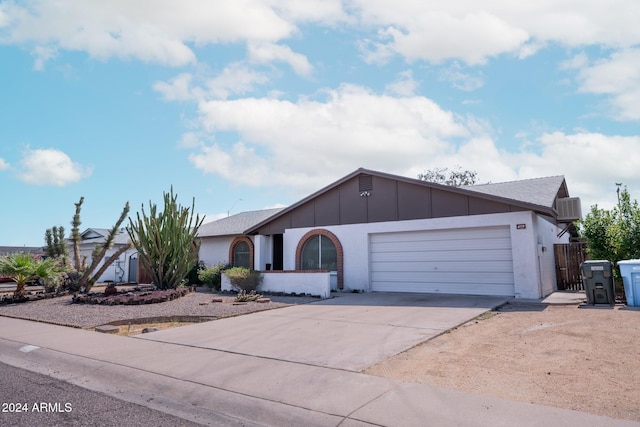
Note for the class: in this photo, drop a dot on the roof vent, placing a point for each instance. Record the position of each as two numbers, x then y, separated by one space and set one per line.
365 185
569 209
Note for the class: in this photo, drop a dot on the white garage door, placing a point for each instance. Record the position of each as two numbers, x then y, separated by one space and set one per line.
475 261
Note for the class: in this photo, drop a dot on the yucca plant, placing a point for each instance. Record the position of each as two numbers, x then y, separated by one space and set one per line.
22 267
85 275
166 241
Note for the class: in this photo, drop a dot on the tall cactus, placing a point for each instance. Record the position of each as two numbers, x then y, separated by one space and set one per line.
85 277
166 241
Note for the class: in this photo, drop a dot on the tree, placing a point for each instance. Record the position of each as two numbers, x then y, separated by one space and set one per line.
23 267
166 241
55 246
75 236
85 277
454 178
613 234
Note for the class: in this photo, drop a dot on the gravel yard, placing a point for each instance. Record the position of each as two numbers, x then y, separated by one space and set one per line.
586 359
62 311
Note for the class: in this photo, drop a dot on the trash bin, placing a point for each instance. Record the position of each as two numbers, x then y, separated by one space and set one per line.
597 277
630 272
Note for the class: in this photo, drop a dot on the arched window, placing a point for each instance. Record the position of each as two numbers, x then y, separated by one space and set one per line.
241 252
319 253
320 250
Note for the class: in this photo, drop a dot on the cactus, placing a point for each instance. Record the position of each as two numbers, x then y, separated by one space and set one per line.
166 241
86 277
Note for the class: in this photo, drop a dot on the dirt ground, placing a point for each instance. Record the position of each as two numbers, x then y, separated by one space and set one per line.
586 359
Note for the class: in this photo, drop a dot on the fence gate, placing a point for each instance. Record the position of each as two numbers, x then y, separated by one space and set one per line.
568 259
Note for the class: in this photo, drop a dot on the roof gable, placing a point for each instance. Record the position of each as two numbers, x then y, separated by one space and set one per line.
99 235
370 196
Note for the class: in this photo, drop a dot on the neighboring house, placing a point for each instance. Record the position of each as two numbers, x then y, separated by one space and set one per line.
383 232
224 241
124 269
8 250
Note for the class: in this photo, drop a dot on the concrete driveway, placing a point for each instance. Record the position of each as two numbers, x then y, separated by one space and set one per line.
348 332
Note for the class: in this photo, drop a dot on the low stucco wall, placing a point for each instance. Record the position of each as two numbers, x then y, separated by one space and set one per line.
315 283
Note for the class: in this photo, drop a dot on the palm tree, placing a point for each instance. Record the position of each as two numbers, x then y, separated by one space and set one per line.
22 267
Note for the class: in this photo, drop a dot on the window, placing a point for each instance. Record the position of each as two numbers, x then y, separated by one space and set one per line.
319 253
241 255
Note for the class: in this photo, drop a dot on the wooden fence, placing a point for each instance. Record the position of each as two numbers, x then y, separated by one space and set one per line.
568 259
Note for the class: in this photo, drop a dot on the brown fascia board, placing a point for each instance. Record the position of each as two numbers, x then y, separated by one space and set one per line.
530 206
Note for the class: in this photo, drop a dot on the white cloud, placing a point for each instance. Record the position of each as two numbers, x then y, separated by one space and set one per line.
42 55
190 140
617 77
147 30
178 89
575 62
592 163
235 79
297 144
3 164
270 52
50 167
306 144
459 79
418 31
473 31
405 84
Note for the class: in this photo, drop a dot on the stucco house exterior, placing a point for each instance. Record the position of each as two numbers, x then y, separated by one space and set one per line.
124 269
224 241
381 232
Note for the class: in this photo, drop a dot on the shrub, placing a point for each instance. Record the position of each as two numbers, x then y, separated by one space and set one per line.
211 276
243 296
243 279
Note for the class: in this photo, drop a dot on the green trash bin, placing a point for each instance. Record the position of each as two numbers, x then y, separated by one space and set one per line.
597 277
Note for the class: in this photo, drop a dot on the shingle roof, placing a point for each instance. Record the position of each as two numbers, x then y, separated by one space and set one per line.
538 191
235 224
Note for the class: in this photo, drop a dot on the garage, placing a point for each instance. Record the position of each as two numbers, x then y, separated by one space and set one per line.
475 261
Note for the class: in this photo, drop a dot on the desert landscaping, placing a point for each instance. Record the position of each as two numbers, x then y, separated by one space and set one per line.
586 359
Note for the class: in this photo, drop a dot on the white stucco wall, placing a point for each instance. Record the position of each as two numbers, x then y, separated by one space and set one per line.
547 236
117 272
315 284
263 252
215 250
527 272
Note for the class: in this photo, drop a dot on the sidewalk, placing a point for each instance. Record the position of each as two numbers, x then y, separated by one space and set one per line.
215 387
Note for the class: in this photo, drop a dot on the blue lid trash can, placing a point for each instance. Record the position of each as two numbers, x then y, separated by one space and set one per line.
597 276
630 272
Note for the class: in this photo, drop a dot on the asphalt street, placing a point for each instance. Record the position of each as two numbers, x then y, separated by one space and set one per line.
29 399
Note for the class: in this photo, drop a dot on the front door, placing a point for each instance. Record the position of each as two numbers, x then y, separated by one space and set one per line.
278 249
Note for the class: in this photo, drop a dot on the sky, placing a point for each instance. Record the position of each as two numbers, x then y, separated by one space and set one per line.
252 104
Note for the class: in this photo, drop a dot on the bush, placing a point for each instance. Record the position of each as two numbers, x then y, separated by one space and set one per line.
243 279
211 276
